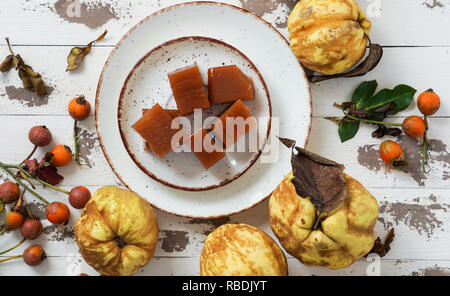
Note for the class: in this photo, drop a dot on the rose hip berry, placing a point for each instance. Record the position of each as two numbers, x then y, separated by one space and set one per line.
79 108
13 220
40 136
9 192
79 196
414 126
33 255
390 151
31 228
57 212
62 155
428 102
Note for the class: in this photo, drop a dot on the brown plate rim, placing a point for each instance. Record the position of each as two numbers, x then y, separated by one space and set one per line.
124 139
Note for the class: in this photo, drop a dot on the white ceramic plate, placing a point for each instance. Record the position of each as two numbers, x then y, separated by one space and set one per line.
270 53
147 84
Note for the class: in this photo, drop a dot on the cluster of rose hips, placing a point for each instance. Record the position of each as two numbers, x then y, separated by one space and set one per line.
56 212
415 127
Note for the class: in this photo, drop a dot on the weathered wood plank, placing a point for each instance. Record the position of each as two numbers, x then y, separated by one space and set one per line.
421 67
360 155
419 213
391 26
398 66
419 217
60 266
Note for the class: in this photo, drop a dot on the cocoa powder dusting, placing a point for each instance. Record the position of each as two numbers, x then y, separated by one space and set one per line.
436 3
92 15
86 142
64 233
282 8
174 241
37 209
26 97
421 218
212 223
432 271
369 157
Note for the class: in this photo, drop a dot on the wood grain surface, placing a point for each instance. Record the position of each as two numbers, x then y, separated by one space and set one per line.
415 38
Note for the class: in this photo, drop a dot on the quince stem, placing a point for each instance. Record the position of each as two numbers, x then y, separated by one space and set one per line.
318 219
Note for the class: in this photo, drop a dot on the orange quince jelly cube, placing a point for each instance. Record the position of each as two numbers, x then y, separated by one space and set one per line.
188 89
234 123
207 151
155 127
228 84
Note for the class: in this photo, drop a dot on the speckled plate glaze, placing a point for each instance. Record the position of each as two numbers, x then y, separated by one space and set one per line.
147 84
284 78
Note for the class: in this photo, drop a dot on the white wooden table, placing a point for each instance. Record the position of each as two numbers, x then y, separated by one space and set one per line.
416 43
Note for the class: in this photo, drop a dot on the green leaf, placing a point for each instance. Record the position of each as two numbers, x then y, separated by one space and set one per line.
404 100
363 93
379 100
401 94
348 129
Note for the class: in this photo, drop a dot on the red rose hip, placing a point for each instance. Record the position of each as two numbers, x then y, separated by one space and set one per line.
40 136
79 196
9 192
57 212
31 228
33 255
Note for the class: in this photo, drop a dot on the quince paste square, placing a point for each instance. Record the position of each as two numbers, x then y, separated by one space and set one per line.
155 127
239 124
188 89
207 151
228 84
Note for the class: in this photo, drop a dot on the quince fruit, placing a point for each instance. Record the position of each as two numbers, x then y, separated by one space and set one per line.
117 232
327 36
241 250
343 235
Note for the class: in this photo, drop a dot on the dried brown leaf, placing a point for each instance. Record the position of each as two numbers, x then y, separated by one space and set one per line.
17 61
7 64
316 177
31 80
77 54
43 170
371 61
383 248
